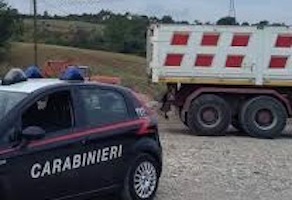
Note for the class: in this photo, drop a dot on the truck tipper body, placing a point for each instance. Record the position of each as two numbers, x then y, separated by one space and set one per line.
225 75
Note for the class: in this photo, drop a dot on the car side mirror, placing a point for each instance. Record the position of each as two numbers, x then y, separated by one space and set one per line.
33 133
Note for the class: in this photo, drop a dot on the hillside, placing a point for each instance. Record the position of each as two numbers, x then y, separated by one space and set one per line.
107 31
131 69
56 31
61 25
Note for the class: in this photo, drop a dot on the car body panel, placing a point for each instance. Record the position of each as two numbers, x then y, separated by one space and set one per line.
32 170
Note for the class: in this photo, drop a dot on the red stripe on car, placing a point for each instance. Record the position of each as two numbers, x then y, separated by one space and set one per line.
79 134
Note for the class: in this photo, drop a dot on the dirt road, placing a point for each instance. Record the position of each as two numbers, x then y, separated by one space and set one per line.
233 167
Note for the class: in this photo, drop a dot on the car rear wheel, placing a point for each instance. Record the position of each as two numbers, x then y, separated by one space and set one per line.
142 179
263 117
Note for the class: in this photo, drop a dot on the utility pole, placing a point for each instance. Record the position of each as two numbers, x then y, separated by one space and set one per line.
232 10
35 35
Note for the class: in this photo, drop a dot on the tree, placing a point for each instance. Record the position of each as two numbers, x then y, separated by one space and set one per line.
6 27
153 20
245 24
46 15
126 35
104 15
264 23
167 20
80 38
227 21
279 24
197 22
116 33
183 22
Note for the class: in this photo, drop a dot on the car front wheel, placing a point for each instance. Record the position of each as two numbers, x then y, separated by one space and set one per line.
142 179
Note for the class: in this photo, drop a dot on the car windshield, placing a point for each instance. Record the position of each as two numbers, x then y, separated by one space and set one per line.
8 100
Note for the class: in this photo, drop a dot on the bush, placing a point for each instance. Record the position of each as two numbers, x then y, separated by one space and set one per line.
7 27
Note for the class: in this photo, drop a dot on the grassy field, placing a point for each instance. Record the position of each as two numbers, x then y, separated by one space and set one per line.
50 29
62 25
131 69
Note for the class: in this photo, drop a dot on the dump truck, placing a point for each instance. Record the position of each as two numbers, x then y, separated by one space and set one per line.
225 75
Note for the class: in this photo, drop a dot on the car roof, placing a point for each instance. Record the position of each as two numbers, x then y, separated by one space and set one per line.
30 85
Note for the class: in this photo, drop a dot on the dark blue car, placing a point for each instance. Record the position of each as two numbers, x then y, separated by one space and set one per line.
69 139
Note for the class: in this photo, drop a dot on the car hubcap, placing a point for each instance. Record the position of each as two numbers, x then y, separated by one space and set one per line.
145 180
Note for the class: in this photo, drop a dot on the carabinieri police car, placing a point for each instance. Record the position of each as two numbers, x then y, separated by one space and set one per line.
68 139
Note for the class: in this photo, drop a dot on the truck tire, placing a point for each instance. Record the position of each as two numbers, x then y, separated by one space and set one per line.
142 179
209 115
183 118
236 124
263 117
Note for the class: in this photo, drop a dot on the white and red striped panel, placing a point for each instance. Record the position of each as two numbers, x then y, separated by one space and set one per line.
239 40
224 52
281 61
284 41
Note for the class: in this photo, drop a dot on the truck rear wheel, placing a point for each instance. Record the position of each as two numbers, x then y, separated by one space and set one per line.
263 117
183 118
209 115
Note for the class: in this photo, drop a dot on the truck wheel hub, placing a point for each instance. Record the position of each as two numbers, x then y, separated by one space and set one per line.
264 118
209 115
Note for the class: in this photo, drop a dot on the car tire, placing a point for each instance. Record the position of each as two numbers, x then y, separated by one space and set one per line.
263 117
209 115
145 171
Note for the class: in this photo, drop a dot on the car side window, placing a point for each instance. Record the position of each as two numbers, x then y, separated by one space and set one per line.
103 107
52 113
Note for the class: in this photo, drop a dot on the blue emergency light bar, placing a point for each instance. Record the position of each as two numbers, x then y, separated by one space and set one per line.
33 72
72 74
14 76
17 75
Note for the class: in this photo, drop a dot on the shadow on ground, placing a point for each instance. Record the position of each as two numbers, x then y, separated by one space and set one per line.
287 134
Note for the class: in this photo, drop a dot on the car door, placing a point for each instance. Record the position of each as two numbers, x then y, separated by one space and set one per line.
43 169
110 126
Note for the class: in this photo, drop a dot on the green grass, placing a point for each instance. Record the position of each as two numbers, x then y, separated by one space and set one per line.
62 25
61 28
131 69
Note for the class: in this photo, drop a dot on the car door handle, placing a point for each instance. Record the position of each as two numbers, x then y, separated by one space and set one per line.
3 162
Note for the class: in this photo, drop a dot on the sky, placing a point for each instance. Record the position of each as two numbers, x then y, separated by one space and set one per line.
190 10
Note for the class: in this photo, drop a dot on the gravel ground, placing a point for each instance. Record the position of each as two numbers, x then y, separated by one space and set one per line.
234 167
